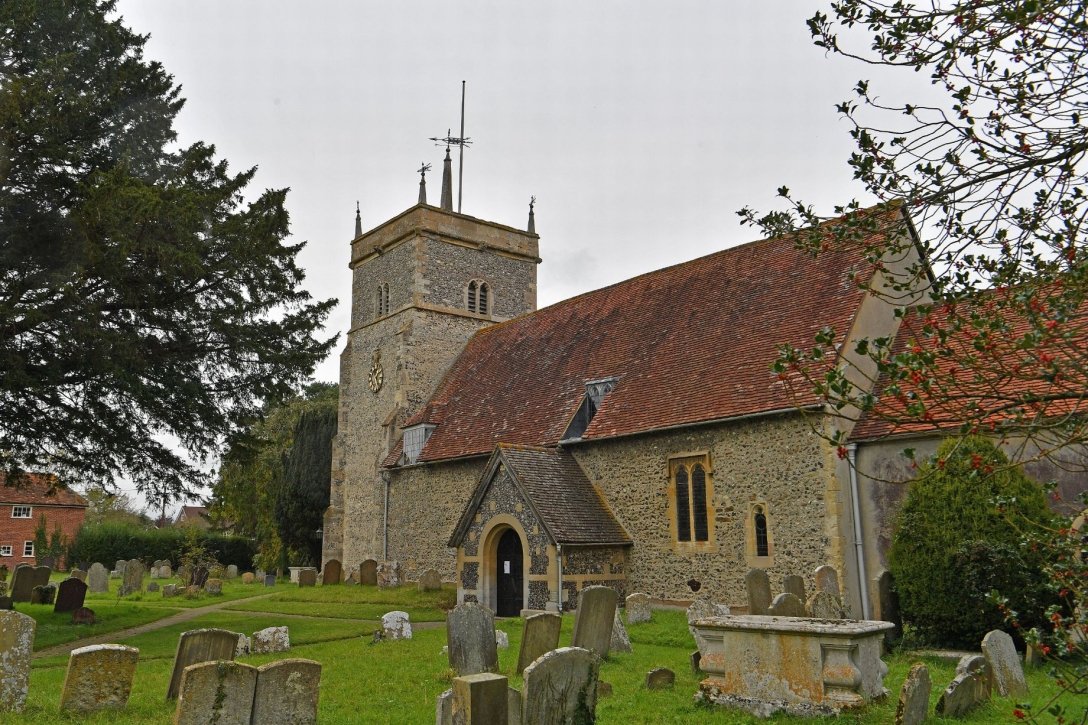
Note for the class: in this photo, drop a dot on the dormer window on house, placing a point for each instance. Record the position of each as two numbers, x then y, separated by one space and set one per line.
596 390
381 300
415 437
477 297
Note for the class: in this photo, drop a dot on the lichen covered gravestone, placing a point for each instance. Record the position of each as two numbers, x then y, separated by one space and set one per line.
99 677
826 579
389 574
470 633
637 606
914 696
794 584
560 687
247 578
968 689
621 641
541 635
216 692
823 605
200 645
270 639
133 577
786 605
16 645
98 579
213 586
395 625
287 693
1000 654
703 608
430 581
593 620
758 586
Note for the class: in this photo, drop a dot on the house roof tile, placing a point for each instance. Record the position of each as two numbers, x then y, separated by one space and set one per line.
37 489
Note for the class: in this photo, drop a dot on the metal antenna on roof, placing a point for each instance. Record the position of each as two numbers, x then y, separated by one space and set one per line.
460 142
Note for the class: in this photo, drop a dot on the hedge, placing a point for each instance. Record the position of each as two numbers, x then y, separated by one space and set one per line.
108 542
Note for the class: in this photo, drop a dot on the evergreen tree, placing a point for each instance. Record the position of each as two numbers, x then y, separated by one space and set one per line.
304 495
141 298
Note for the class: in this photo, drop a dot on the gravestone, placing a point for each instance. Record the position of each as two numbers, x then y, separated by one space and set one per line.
47 561
70 595
560 687
22 583
287 693
154 572
169 590
42 594
430 581
502 640
199 577
213 586
152 586
16 645
826 579
270 639
332 573
99 677
307 578
79 574
823 605
368 572
968 689
759 591
98 579
216 692
232 571
183 575
786 605
119 566
470 633
133 578
480 699
794 584
83 615
395 625
165 572
247 578
888 601
914 696
389 574
41 575
637 606
660 678
593 620
242 648
703 608
3 572
193 591
621 641
694 660
443 708
1000 654
541 635
270 580
200 645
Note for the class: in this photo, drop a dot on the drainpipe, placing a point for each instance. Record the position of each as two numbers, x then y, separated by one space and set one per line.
559 563
385 520
859 543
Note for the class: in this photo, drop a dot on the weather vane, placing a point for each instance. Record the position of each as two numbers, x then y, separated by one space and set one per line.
422 170
460 142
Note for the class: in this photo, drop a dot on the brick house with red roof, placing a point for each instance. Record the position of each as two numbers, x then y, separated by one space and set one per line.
632 436
22 506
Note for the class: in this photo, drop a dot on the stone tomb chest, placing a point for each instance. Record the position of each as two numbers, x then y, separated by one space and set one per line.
803 666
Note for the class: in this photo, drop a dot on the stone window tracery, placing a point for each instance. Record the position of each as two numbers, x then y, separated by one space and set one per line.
381 300
690 496
758 535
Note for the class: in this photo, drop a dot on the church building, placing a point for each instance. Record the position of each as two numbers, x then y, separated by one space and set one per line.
633 436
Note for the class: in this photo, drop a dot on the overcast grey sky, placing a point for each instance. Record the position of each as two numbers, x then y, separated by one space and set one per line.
641 127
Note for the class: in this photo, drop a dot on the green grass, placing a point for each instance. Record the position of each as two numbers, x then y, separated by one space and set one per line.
397 682
110 616
357 602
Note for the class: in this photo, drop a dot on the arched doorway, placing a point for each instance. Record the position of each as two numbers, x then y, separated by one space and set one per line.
509 575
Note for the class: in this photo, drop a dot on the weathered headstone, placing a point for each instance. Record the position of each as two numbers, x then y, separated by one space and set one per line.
287 693
660 678
541 635
133 578
152 586
389 574
119 566
193 591
969 689
183 575
332 573
1000 654
368 572
826 579
232 571
98 579
247 578
888 601
199 577
443 708
99 677
22 583
216 692
914 696
637 606
470 632
165 572
79 574
170 590
242 648
480 699
83 615
307 578
560 687
213 586
42 594
759 591
395 625
430 581
593 620
16 645
703 608
502 640
621 641
794 584
270 639
70 595
695 659
270 580
786 605
823 605
200 645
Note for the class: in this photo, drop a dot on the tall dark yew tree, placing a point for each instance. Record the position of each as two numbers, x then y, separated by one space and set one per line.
304 494
141 297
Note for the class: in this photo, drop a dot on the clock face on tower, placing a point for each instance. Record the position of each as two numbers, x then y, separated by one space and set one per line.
376 376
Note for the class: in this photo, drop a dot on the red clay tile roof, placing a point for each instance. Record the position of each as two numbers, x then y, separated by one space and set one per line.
991 380
569 507
38 489
689 343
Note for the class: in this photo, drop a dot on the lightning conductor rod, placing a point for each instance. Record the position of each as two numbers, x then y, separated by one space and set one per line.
461 152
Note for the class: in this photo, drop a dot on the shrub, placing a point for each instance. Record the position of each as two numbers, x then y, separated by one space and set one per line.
108 542
958 537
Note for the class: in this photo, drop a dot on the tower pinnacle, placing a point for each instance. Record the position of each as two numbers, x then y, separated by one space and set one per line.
532 217
447 182
423 169
358 222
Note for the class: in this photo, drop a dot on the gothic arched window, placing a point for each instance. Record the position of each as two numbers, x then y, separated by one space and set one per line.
759 526
690 496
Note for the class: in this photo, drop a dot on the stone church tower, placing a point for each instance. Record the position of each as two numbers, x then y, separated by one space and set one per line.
423 283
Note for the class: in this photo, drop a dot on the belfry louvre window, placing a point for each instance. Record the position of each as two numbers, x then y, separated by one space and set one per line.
381 306
478 297
690 495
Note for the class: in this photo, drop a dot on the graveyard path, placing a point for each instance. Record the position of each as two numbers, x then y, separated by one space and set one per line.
184 616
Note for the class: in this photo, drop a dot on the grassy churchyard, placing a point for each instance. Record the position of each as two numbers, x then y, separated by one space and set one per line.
398 681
